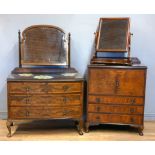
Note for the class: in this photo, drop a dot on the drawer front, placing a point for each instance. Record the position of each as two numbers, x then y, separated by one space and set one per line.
64 87
115 109
114 118
40 100
100 81
127 82
115 100
36 87
42 112
26 87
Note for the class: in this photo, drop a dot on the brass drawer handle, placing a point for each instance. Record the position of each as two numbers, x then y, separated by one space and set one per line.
65 88
27 100
65 112
98 100
117 83
27 113
28 89
64 99
132 110
98 109
46 87
132 120
133 101
98 118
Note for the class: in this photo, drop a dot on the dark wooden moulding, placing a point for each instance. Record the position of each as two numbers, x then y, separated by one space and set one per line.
115 85
44 50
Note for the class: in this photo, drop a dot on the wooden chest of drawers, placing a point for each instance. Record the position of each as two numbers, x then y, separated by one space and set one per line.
45 100
44 85
116 95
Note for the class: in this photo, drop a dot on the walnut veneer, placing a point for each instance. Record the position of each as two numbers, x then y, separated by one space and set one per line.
116 95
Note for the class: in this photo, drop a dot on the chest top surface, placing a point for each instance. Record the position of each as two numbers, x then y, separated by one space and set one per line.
44 74
134 66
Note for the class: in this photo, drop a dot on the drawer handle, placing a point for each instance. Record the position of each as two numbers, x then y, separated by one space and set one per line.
64 99
98 109
98 118
98 100
132 110
27 113
117 83
27 100
27 89
133 101
65 112
65 88
132 120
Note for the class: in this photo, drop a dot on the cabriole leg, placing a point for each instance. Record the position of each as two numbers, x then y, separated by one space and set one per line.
9 123
87 127
140 131
79 125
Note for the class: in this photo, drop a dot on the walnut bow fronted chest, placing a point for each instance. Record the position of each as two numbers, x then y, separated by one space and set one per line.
44 86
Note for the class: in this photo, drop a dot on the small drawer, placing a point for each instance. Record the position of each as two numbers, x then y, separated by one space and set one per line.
115 118
44 100
115 109
42 88
42 112
115 100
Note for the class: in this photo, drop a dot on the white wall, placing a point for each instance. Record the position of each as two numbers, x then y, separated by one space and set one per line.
82 28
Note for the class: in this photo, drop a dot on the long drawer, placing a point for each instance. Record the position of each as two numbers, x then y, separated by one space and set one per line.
45 100
115 100
114 118
44 112
42 87
115 109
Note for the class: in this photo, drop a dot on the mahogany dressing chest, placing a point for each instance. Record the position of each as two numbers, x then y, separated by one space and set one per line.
44 86
116 82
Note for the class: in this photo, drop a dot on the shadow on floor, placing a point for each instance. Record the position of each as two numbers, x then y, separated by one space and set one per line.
67 125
